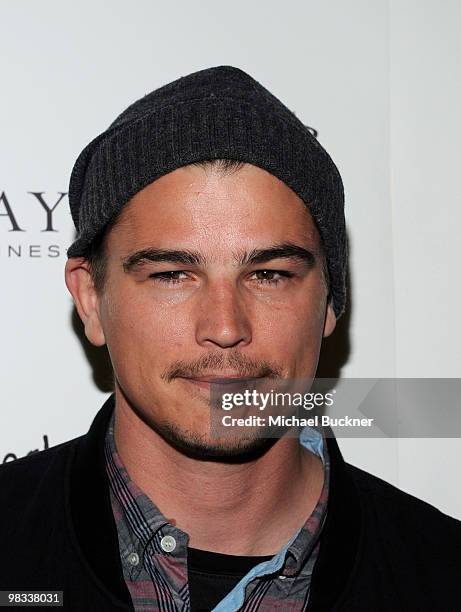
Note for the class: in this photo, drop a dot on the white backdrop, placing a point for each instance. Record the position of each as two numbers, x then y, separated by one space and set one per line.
379 80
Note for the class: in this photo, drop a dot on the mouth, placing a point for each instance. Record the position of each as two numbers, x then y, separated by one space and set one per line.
206 381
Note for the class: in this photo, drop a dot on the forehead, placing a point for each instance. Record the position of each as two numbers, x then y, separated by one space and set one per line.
193 206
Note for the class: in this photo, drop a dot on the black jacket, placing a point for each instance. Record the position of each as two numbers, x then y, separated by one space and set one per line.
381 549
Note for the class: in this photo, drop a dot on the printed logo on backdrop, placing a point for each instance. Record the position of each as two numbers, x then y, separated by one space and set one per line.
20 227
13 456
312 130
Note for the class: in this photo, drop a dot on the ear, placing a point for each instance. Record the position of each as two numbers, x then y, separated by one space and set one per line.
330 321
80 285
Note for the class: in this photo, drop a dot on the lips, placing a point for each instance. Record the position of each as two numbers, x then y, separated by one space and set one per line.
206 382
222 380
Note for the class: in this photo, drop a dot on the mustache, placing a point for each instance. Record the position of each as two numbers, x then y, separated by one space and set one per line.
245 367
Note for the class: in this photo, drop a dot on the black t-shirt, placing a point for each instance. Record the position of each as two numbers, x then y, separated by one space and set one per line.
213 575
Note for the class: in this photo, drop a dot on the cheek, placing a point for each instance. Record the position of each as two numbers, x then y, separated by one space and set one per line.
142 327
293 332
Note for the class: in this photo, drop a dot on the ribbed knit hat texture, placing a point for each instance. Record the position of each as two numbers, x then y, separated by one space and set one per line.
219 112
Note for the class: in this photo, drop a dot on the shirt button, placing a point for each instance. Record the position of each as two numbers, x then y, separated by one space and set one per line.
282 577
168 543
133 558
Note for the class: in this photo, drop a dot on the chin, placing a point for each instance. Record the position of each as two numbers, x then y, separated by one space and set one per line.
225 449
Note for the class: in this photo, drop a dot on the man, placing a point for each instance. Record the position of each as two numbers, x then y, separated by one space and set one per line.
211 251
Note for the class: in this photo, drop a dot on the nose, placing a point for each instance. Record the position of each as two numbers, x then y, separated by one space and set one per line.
222 319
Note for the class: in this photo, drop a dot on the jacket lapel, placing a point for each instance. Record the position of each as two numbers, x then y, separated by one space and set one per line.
90 508
340 534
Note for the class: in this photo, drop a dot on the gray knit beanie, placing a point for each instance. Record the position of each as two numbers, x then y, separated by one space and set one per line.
220 112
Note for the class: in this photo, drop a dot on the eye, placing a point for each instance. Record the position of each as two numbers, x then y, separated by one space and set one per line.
167 278
272 277
265 277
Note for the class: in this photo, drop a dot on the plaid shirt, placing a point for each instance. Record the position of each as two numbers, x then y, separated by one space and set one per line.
154 552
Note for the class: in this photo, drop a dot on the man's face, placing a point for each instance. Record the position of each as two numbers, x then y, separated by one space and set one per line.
212 297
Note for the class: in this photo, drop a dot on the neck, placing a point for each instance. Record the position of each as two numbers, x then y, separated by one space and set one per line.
251 508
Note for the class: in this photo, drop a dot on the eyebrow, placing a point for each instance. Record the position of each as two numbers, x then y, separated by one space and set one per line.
285 250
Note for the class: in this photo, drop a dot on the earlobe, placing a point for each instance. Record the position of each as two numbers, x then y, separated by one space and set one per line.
79 282
330 321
